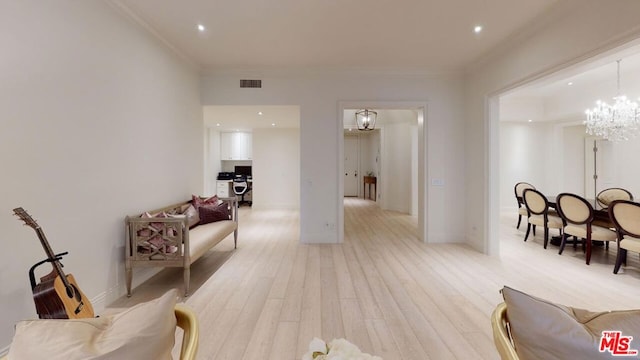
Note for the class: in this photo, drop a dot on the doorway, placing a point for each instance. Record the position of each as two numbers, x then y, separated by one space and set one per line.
351 165
390 194
273 144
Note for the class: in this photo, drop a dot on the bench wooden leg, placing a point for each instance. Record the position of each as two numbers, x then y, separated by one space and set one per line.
235 239
187 275
129 272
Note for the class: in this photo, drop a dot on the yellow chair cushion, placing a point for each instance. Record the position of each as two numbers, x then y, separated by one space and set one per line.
597 232
144 331
630 244
553 222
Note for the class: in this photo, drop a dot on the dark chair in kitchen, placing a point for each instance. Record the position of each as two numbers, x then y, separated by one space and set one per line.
241 188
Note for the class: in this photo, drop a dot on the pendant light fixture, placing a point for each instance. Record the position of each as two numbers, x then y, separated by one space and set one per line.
366 119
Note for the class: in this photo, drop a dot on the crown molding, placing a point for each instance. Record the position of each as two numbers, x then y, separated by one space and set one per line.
136 18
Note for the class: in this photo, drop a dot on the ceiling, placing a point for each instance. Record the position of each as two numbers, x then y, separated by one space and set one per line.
226 118
566 94
409 35
247 118
433 35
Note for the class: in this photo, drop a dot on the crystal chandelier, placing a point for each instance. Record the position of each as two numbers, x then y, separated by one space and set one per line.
366 119
616 122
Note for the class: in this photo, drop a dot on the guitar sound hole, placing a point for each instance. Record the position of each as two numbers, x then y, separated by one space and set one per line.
72 292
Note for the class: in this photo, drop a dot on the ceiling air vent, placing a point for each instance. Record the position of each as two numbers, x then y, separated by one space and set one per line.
250 83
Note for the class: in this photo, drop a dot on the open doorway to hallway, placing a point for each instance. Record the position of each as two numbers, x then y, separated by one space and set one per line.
388 153
388 156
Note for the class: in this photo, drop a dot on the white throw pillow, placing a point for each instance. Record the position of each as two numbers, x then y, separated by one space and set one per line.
144 331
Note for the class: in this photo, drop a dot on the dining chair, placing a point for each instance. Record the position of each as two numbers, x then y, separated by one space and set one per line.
625 215
538 214
577 216
607 196
522 210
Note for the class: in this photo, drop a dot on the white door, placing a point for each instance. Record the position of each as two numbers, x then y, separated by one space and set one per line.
351 178
598 166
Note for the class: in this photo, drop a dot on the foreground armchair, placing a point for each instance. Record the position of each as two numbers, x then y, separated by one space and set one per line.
526 327
144 331
501 333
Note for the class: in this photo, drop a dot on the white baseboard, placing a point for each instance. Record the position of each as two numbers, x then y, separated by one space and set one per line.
4 352
101 301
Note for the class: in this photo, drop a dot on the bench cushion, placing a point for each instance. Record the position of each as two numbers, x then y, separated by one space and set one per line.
204 236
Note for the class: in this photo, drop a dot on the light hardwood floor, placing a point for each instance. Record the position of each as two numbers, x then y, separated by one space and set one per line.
382 289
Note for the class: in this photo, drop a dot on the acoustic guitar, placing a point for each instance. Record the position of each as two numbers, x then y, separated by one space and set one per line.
57 296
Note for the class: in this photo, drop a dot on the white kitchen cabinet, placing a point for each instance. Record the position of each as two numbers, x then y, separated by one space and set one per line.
235 146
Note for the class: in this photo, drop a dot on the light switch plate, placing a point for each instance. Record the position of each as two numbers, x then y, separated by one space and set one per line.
437 182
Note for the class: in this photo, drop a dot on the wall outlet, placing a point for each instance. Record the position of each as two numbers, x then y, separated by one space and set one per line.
437 182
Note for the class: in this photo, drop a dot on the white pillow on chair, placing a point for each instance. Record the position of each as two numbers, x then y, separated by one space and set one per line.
144 331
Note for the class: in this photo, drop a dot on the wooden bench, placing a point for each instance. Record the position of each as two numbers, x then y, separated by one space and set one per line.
168 241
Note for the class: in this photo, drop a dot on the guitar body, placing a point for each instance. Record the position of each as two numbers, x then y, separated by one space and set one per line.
53 301
57 296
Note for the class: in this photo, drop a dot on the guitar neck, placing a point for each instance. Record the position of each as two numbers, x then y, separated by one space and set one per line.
52 256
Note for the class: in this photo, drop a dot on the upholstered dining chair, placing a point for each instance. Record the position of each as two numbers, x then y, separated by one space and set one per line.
538 209
607 196
519 190
577 216
625 215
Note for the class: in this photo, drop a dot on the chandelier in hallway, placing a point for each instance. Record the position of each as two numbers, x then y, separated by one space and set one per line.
366 119
616 122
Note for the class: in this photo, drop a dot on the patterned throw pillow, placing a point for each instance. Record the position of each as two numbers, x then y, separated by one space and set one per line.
156 243
193 218
213 213
197 201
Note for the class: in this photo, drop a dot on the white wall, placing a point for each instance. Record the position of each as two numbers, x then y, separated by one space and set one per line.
369 148
396 171
98 121
627 166
276 169
213 163
370 159
573 31
318 94
572 169
525 152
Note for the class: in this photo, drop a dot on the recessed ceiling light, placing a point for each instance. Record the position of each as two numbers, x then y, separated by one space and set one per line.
477 29
530 120
218 124
201 27
350 129
259 112
273 124
570 83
